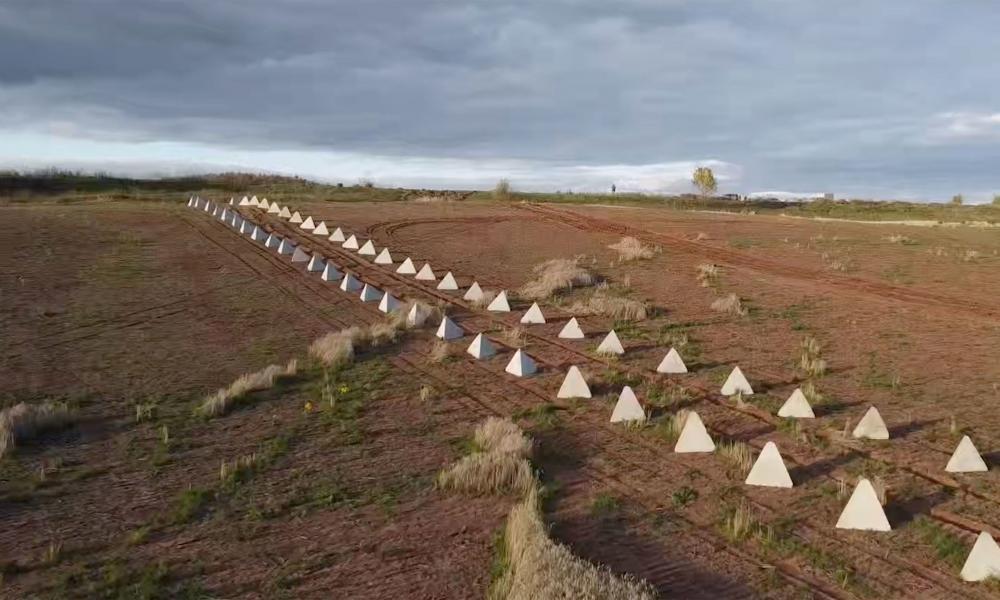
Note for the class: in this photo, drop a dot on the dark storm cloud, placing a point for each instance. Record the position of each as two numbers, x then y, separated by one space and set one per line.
872 97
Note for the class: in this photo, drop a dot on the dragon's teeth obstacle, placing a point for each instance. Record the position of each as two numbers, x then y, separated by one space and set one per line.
330 273
481 347
533 316
308 224
983 561
448 283
350 243
425 273
736 383
966 459
871 426
406 267
296 218
521 365
316 263
449 330
389 304
627 408
796 407
769 469
300 255
611 344
499 304
368 249
370 293
337 235
350 283
572 331
321 229
285 213
672 363
694 437
474 293
384 258
574 385
864 511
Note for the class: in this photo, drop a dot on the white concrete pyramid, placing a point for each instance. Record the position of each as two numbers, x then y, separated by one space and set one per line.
330 272
296 218
337 235
275 209
370 293
245 201
672 363
286 247
769 469
308 224
350 283
190 202
300 255
321 229
389 304
316 264
350 243
254 201
694 437
238 222
273 241
368 249
417 316
473 293
481 347
797 406
611 344
521 365
383 258
966 459
224 215
574 385
627 408
499 304
871 426
208 206
448 330
231 201
406 267
533 316
425 273
863 510
983 561
246 228
264 204
736 383
258 234
572 331
448 283
215 211
285 213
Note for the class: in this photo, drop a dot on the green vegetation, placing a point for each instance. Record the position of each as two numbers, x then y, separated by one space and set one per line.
948 547
605 504
683 496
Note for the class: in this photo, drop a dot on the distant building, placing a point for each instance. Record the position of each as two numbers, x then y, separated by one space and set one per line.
828 196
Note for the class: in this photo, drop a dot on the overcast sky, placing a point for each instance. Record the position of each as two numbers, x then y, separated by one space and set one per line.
861 98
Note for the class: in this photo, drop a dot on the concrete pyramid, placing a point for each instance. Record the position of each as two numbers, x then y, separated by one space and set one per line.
273 241
417 316
286 247
736 383
383 258
215 211
694 437
231 200
572 331
533 316
285 213
300 255
863 510
245 201
499 304
350 283
224 215
350 243
190 201
481 347
321 229
672 363
370 293
246 228
627 408
258 234
316 264
330 273
521 365
983 561
871 426
474 293
407 268
448 283
797 406
574 385
254 201
611 344
238 222
769 469
296 218
337 235
275 209
264 204
308 224
209 206
368 249
966 458
389 304
425 273
448 330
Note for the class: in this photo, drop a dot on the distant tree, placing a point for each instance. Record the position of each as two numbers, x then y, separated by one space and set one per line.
996 200
957 199
502 190
704 180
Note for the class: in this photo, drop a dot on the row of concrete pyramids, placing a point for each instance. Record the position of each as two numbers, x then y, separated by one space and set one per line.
863 510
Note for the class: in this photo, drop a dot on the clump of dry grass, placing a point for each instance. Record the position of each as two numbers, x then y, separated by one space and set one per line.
23 421
500 466
601 302
501 191
708 274
740 523
538 567
811 362
901 239
556 275
503 436
881 490
439 352
222 401
630 248
488 296
516 336
730 305
338 348
670 429
970 255
738 454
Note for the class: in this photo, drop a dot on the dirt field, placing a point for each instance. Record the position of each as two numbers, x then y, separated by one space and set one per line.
112 304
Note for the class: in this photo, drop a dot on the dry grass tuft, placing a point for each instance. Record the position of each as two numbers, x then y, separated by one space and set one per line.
516 336
338 348
630 248
538 567
24 421
222 401
503 436
739 454
439 352
556 275
670 429
740 523
488 296
601 302
730 305
500 467
880 488
708 274
811 362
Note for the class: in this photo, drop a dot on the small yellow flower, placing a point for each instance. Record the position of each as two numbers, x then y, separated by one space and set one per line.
308 407
344 389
